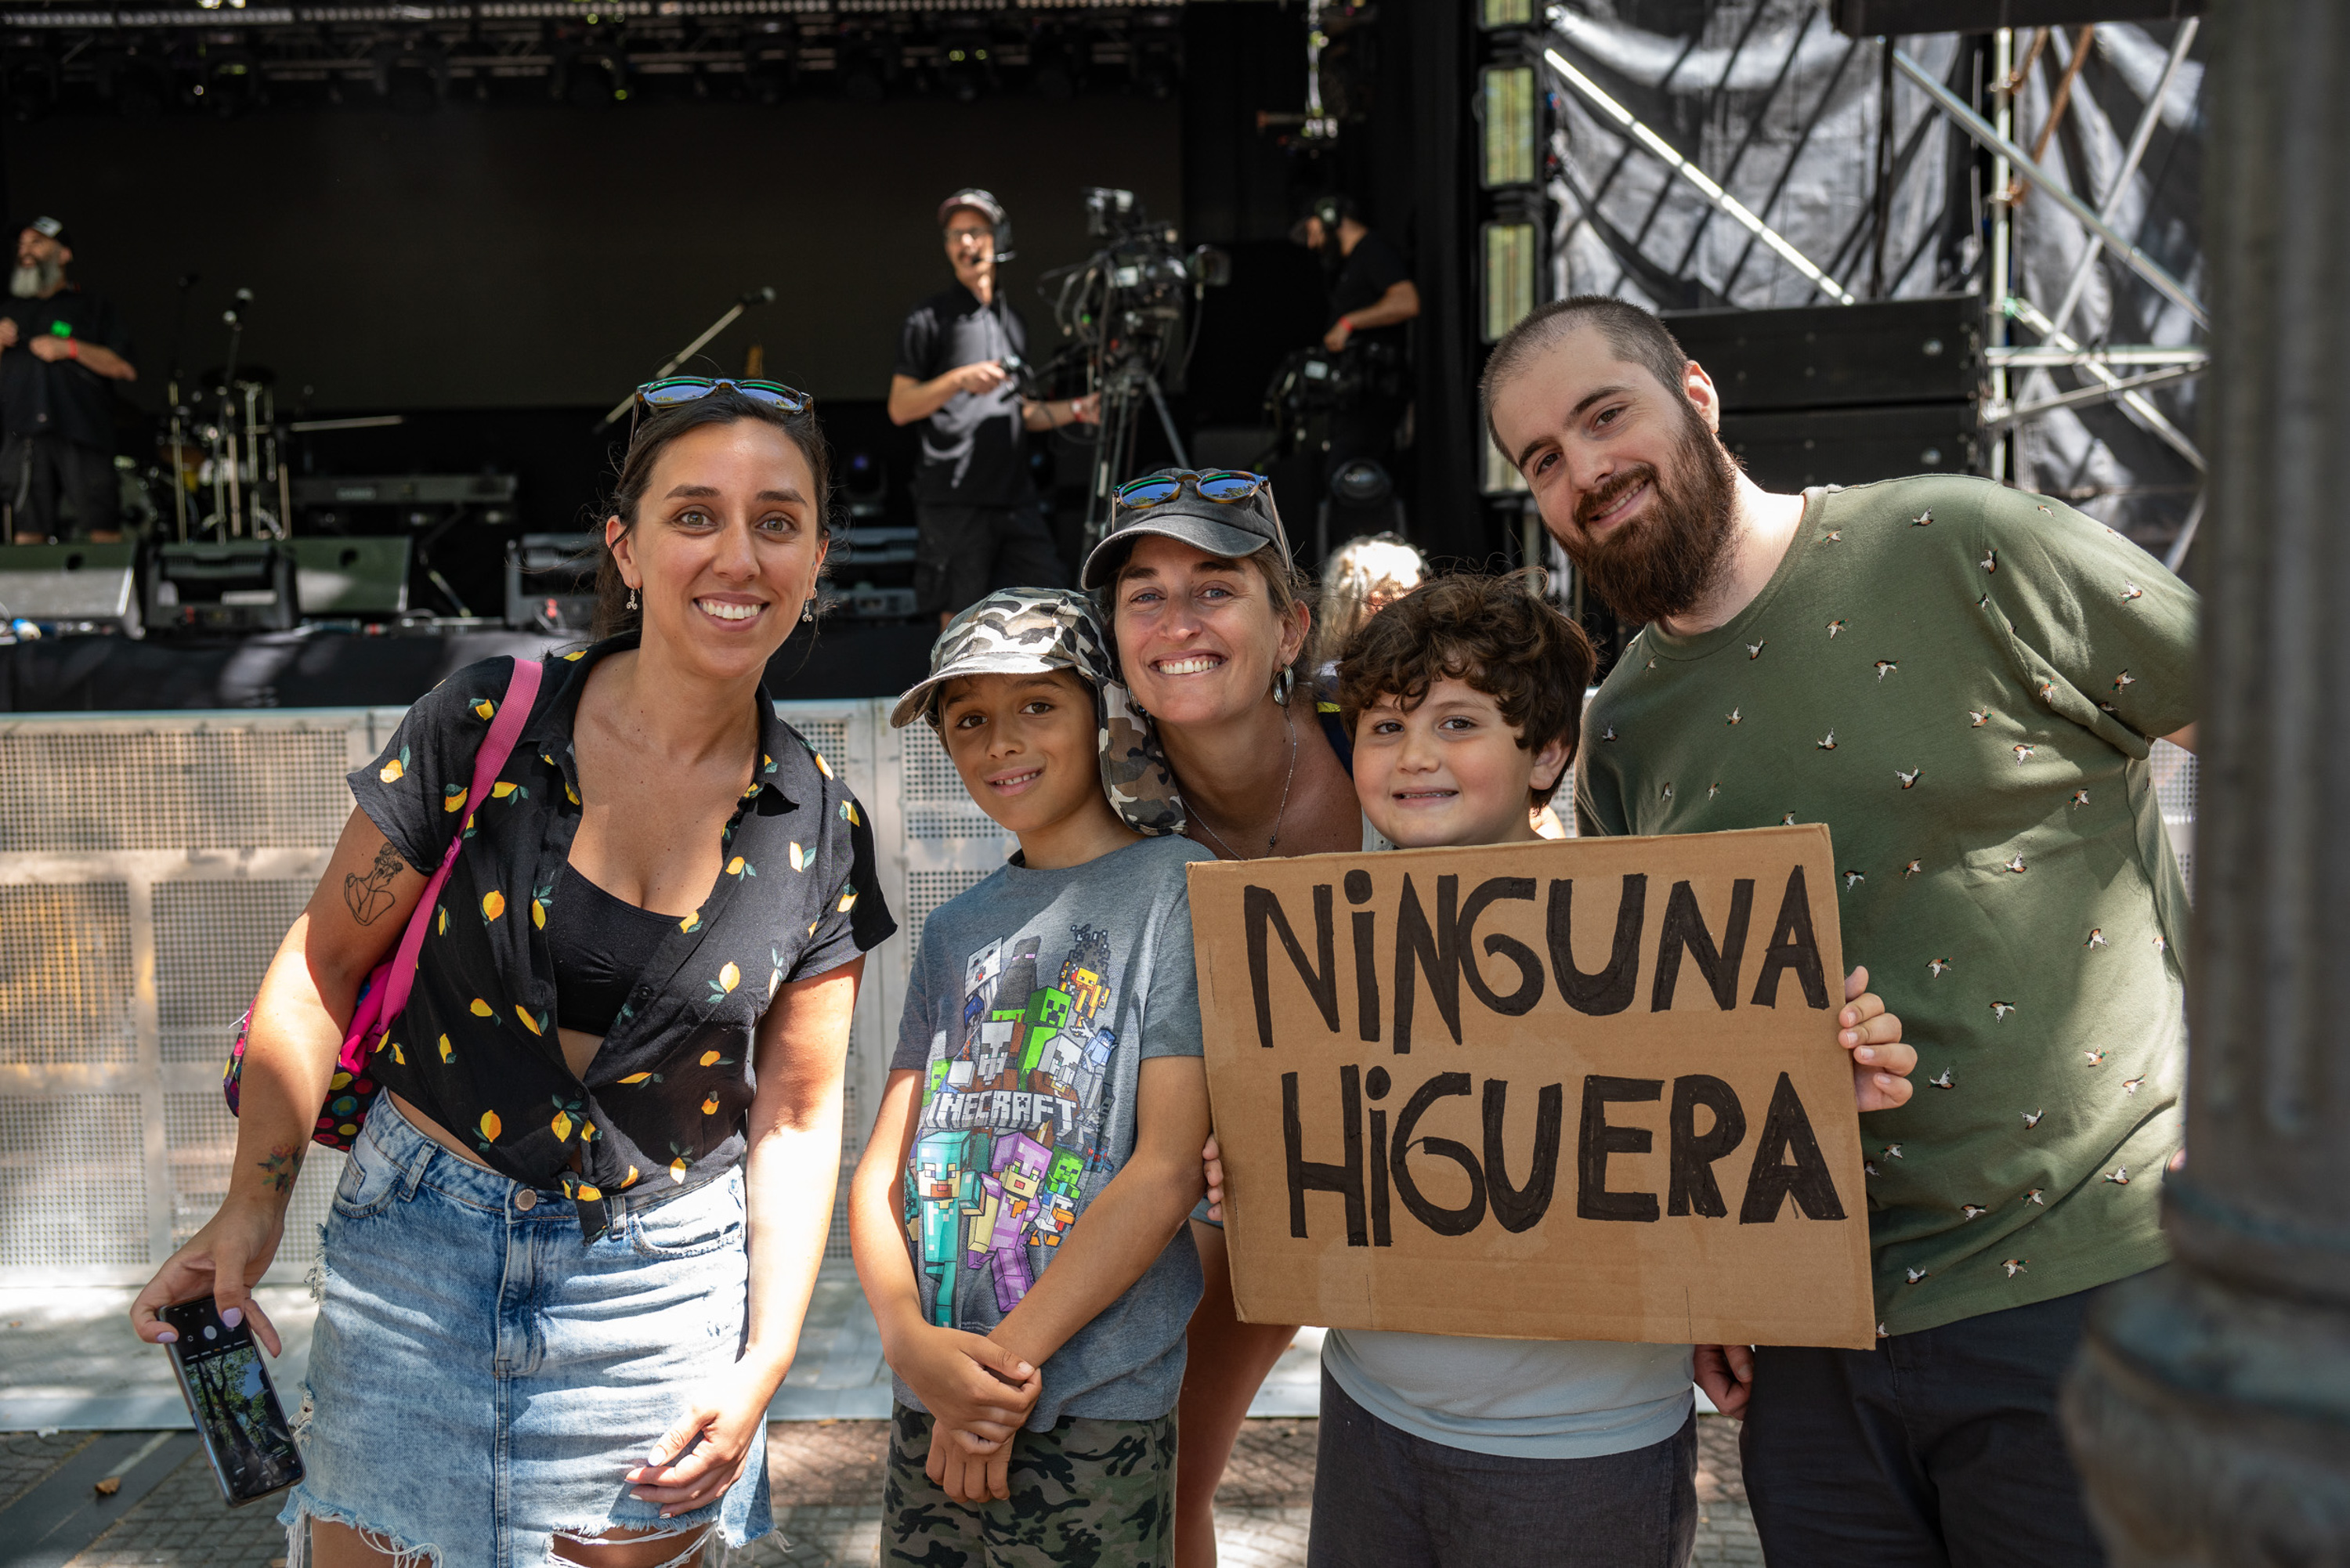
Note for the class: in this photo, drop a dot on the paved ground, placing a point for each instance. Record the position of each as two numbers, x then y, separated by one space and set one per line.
826 1480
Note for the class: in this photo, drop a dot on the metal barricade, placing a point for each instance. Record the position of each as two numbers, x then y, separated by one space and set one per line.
149 865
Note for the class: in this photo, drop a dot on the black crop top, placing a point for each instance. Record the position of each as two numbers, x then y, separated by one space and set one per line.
666 1097
598 943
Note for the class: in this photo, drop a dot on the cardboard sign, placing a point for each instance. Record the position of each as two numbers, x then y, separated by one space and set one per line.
1586 1089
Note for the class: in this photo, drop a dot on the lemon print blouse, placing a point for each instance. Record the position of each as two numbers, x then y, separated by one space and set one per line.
662 1105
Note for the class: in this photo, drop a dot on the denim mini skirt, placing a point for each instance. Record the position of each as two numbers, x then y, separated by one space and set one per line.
481 1379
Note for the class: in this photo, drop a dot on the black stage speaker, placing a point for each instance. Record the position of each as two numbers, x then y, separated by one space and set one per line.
551 583
1786 450
1834 356
363 578
1867 18
78 587
1845 394
238 586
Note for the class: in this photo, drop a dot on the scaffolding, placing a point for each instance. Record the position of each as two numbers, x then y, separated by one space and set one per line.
1579 53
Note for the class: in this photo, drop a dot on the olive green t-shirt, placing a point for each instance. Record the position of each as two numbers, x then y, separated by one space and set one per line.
1961 680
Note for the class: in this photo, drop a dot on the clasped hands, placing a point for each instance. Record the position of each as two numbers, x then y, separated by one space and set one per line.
978 1394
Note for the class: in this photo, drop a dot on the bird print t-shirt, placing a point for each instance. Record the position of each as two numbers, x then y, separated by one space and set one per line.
1036 998
1962 682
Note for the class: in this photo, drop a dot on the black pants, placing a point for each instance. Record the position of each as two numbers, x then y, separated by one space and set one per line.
961 553
38 471
1936 1449
1384 1497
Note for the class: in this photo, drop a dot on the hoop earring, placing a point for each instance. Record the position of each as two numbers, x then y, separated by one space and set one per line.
1282 684
632 599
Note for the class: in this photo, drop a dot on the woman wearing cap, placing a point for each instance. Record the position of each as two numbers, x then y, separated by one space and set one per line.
1209 615
569 1255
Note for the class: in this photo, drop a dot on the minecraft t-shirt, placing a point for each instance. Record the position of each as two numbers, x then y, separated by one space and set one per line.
1034 1000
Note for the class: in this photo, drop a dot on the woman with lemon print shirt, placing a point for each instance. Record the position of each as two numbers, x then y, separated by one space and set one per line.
569 1256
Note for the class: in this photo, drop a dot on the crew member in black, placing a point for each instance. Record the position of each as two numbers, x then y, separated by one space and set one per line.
958 357
58 349
1371 297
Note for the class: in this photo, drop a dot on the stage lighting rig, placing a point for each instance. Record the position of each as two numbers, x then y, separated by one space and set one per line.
1128 315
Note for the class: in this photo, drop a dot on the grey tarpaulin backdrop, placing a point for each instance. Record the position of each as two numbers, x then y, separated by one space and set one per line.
1783 112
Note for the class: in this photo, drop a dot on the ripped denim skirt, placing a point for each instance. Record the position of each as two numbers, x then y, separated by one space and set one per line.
481 1380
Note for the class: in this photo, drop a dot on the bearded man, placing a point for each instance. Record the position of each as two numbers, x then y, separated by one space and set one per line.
58 349
1963 682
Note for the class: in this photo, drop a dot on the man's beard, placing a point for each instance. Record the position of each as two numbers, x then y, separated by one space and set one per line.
35 280
1660 564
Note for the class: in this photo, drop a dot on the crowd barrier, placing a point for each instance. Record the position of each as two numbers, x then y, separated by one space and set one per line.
150 862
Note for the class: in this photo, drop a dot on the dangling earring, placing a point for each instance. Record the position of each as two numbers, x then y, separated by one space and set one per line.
632 599
1281 683
807 609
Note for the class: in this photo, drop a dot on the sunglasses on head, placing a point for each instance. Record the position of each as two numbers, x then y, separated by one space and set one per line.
1228 485
672 390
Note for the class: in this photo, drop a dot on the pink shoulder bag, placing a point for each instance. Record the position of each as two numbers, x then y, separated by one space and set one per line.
352 1090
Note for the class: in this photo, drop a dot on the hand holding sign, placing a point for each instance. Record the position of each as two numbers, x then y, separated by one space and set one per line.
1681 1165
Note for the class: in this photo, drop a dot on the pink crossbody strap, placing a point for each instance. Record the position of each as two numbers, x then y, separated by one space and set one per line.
506 728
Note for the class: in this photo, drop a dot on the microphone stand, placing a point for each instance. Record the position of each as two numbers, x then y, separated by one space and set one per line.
232 515
172 393
763 296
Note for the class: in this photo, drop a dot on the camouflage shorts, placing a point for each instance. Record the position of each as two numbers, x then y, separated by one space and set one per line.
1086 1494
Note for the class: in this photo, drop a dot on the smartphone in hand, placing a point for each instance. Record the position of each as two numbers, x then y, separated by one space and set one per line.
237 1410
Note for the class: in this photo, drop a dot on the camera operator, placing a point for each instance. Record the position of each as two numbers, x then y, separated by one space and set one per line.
58 349
981 526
1371 297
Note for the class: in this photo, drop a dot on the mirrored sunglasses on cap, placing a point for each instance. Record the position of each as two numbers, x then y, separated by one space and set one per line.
1227 485
672 390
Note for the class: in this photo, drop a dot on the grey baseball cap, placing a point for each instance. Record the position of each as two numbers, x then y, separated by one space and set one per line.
1232 529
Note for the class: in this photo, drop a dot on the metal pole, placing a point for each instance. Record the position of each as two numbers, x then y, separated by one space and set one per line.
1729 206
2002 66
1884 203
2149 118
1166 419
2080 395
2210 1415
2178 546
1996 139
2137 403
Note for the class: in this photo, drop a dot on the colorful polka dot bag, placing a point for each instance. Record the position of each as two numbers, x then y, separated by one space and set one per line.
352 1090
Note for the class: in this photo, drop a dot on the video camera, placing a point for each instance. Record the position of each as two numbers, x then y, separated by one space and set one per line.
1126 316
1128 307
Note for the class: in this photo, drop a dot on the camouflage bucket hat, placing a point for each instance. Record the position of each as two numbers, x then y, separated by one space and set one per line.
1024 631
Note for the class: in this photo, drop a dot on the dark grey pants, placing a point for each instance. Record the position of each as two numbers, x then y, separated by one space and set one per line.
1936 1449
1386 1498
39 473
963 554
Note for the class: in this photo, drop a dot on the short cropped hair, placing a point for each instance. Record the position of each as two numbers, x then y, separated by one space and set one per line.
1498 634
1635 334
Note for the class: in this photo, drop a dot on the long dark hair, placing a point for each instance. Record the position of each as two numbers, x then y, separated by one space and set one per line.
613 615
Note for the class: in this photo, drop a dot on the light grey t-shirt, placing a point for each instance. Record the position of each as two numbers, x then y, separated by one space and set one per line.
1034 1000
1529 1398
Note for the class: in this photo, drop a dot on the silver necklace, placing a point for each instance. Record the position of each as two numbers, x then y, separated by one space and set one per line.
1273 838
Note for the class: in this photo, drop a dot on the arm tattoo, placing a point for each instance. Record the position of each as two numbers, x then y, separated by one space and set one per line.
370 896
279 1171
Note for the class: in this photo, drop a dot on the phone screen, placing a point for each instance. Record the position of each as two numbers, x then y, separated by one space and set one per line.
237 1410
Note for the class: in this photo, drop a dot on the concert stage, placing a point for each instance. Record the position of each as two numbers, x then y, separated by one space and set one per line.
316 668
